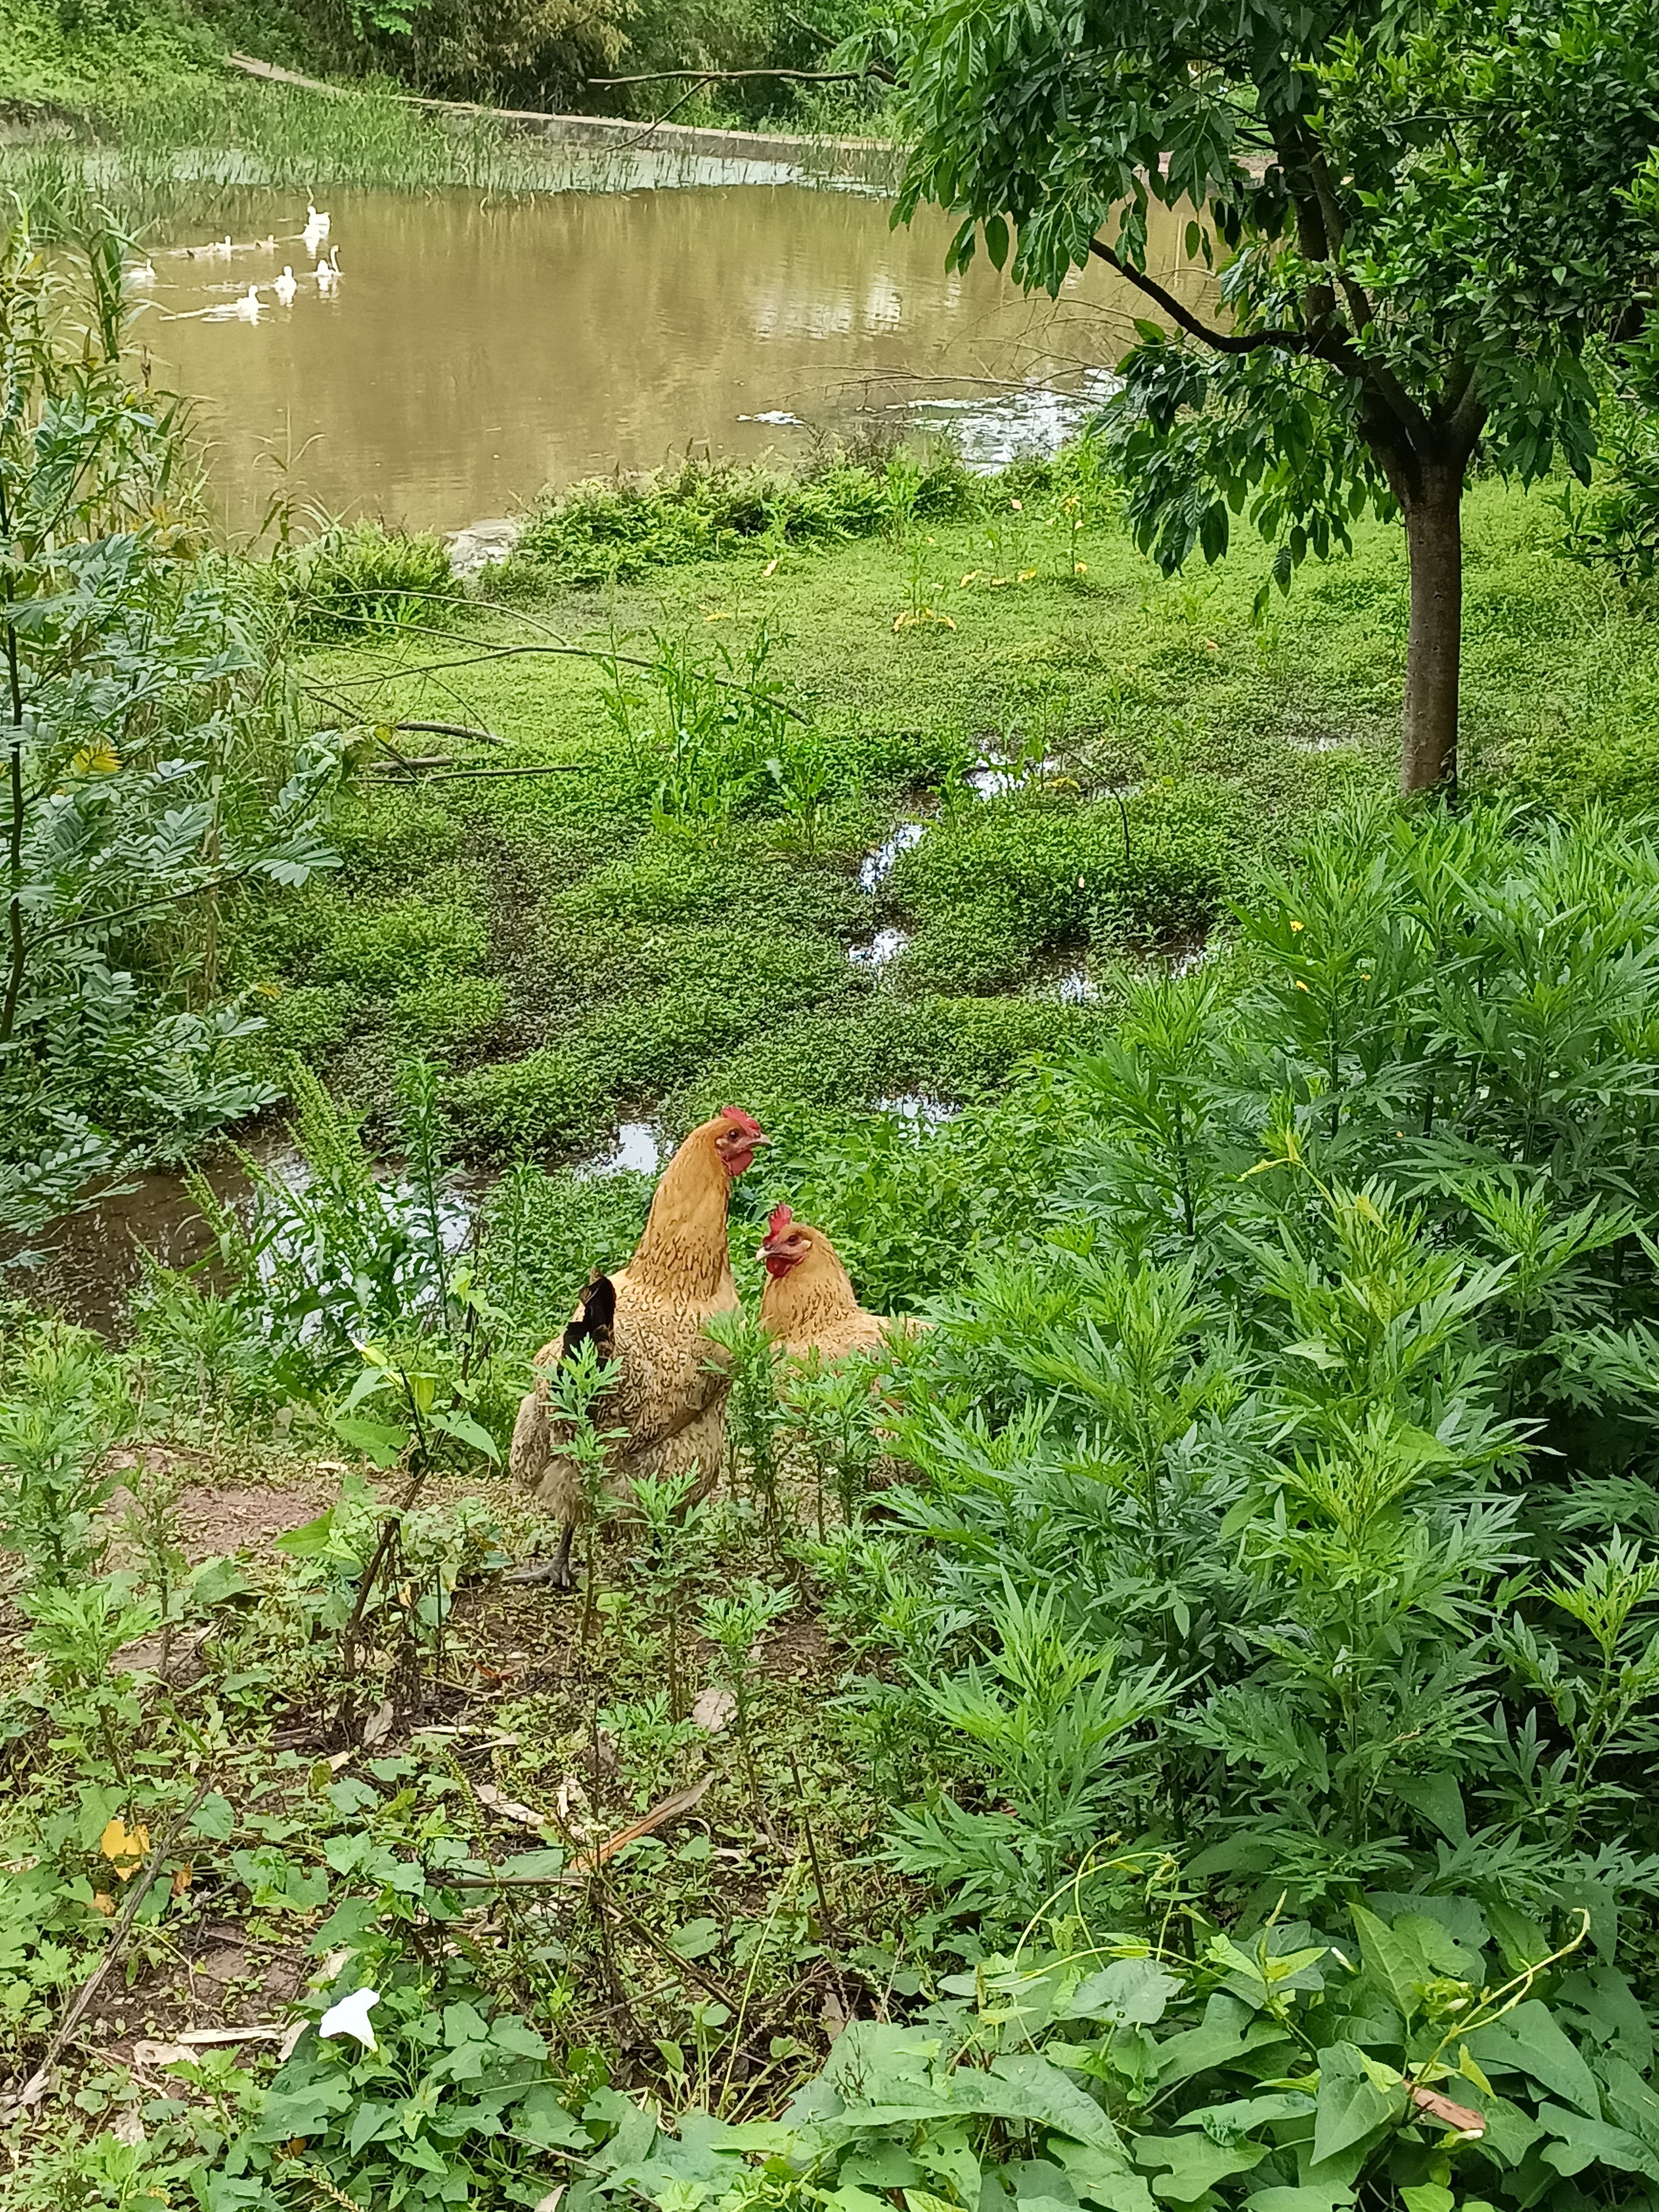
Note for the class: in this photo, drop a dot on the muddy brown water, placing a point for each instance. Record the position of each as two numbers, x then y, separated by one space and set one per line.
473 351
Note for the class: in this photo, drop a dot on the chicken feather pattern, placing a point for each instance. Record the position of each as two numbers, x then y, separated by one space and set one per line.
669 1398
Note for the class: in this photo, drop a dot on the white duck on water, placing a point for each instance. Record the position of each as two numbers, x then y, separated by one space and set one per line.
247 307
285 287
328 272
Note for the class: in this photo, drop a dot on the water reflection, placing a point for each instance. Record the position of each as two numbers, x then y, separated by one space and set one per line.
473 351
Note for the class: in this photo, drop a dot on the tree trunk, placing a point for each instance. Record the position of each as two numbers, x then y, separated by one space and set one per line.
1434 543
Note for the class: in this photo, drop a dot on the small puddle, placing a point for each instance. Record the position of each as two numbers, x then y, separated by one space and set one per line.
879 865
993 778
90 1262
637 1148
917 1108
886 944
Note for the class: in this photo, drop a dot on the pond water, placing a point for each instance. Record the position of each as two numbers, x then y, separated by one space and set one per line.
473 350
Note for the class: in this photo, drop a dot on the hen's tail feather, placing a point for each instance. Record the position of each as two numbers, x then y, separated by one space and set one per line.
533 1459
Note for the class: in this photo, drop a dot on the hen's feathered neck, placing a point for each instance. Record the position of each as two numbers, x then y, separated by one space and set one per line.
683 1253
816 1293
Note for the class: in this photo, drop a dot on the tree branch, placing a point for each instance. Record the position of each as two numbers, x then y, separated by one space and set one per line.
728 76
1222 341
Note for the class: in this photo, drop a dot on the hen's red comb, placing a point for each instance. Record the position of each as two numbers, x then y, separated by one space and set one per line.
781 1218
746 1122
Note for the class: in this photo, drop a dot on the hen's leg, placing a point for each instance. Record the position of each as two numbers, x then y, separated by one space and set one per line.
555 1570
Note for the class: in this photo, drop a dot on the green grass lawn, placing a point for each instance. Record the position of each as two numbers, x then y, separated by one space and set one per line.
571 960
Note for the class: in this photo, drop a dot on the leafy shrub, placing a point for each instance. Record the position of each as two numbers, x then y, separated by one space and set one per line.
511 1107
944 1050
1427 2059
380 945
1348 1319
712 988
604 530
158 766
544 1234
309 1018
362 576
442 1015
1616 525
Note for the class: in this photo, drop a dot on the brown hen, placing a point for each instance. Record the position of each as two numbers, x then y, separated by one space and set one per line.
667 1401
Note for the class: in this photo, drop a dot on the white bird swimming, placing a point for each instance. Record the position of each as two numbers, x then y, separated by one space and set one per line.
284 286
142 273
317 219
328 272
247 307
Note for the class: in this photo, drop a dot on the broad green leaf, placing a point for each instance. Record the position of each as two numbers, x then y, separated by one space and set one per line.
1102 2177
375 1439
1306 2196
1527 2041
541 2119
516 2038
1240 2117
1350 2103
1183 2167
697 1938
1581 2143
213 1819
1229 2031
1133 1989
307 1541
463 1426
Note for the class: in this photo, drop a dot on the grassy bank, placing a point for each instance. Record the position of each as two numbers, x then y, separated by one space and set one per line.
1093 763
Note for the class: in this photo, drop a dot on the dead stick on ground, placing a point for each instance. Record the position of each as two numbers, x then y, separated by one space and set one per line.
811 1846
600 1881
143 1882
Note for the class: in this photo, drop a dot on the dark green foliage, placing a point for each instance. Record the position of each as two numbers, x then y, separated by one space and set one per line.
947 1049
1617 525
1329 1397
1422 223
154 765
355 579
1153 867
604 532
689 999
1420 2058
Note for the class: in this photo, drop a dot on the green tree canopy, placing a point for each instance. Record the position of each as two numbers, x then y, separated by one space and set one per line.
1427 216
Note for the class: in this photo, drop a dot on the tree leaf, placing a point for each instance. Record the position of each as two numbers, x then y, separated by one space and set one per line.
384 1446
